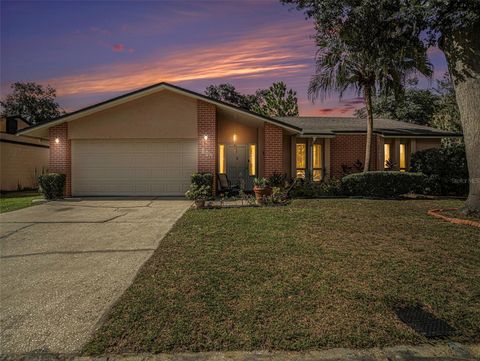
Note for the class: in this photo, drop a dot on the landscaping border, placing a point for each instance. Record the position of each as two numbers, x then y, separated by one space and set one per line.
437 213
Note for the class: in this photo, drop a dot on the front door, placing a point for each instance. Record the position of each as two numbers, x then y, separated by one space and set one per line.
237 166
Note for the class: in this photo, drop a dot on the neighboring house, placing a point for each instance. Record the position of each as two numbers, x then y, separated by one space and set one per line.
22 158
150 141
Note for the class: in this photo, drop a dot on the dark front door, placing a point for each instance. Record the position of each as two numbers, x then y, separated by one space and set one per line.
237 166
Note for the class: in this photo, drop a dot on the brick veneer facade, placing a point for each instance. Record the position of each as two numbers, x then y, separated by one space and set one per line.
61 154
346 149
273 152
207 148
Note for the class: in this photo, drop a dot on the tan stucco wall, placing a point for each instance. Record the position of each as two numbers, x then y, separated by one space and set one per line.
245 134
422 144
160 115
21 164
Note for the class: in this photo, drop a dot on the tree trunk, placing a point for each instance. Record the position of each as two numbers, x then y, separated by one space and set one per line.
462 50
367 94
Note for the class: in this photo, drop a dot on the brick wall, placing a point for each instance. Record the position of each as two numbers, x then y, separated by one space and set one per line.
61 154
346 149
207 149
273 150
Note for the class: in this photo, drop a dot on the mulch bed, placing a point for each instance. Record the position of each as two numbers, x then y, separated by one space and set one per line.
437 213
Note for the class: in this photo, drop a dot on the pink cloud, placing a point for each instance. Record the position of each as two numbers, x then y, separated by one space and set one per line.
118 48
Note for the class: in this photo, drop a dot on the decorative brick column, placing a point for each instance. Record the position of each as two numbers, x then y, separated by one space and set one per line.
273 151
61 154
207 148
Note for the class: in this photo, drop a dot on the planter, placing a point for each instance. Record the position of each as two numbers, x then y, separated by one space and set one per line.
261 193
199 203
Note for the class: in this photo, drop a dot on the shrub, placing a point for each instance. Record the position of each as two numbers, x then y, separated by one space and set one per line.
446 169
383 183
277 180
201 186
52 185
198 192
306 188
202 179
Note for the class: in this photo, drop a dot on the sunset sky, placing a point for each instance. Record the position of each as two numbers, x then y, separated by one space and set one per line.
93 50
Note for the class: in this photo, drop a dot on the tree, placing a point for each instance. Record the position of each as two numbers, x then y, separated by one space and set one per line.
228 94
31 101
454 25
446 115
414 106
366 45
276 101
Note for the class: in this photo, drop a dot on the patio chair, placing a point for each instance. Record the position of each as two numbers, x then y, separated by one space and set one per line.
226 187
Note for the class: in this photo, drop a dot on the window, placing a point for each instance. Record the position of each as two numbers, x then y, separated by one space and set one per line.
403 157
386 158
317 162
252 160
221 158
301 159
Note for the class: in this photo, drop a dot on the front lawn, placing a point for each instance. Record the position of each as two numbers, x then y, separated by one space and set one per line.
314 274
16 200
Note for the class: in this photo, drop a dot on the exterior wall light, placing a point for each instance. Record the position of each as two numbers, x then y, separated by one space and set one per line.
205 137
57 140
234 138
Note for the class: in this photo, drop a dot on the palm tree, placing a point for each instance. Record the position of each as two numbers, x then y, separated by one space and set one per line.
381 68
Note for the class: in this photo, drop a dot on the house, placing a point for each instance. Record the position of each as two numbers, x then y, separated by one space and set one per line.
22 158
149 142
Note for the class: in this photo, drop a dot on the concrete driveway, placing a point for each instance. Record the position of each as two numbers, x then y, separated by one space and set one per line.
63 264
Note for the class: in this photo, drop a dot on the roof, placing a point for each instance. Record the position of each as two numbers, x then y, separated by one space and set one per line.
146 91
386 127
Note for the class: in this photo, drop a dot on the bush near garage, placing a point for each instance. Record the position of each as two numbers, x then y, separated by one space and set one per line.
388 184
52 185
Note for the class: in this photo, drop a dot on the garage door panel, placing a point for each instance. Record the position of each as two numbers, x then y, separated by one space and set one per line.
132 167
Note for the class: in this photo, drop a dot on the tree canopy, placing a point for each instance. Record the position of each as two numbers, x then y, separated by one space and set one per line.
274 101
31 101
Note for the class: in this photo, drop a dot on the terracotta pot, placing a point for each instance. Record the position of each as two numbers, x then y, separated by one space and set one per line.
199 203
261 193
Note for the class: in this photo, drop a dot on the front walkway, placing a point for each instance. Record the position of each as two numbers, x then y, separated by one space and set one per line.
63 264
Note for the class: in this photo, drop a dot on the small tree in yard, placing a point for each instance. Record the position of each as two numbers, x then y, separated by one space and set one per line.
364 45
31 101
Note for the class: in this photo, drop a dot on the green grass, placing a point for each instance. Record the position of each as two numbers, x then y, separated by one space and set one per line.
17 200
311 275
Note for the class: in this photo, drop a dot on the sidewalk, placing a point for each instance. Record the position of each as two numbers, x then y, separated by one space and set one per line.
441 352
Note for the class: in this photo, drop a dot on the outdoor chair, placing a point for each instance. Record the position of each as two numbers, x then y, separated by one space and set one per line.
226 187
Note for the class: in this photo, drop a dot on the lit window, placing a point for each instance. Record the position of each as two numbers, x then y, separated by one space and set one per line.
252 160
403 157
317 162
301 161
221 158
386 148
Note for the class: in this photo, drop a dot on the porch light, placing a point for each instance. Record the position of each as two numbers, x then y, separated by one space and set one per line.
57 140
234 138
205 137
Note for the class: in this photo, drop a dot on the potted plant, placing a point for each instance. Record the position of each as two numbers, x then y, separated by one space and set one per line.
261 189
199 194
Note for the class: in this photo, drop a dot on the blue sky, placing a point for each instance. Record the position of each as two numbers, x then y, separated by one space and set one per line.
93 50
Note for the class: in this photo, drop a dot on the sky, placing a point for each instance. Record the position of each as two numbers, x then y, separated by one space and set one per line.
91 51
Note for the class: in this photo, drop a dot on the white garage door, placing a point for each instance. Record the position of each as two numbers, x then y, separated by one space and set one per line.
132 167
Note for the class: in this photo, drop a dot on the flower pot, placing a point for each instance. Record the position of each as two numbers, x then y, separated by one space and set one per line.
261 193
199 203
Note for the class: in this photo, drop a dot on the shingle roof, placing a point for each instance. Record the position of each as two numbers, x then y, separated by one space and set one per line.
387 127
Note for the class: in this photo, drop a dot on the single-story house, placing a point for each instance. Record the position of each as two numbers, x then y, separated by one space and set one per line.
22 158
150 141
